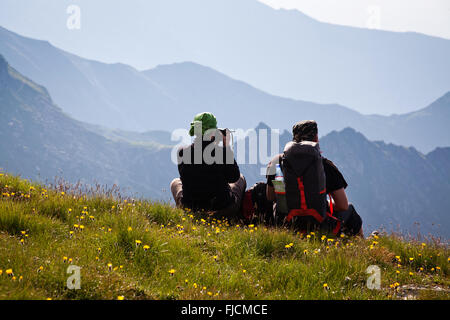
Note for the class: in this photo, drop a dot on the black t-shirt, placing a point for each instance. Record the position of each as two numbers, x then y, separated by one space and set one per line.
206 186
334 178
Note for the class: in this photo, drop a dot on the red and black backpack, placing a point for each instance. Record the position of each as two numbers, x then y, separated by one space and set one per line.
305 184
255 206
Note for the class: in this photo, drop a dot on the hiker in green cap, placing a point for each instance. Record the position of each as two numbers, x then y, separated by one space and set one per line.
210 179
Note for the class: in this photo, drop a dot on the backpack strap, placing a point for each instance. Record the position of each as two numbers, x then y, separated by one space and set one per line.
338 224
331 204
304 211
330 214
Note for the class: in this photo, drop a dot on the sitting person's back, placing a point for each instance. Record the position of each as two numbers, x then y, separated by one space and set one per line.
210 179
206 186
335 184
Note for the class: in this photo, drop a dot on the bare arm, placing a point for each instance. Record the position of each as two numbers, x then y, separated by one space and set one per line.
340 200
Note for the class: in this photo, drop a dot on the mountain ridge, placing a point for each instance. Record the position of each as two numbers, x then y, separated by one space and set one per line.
359 68
39 141
119 96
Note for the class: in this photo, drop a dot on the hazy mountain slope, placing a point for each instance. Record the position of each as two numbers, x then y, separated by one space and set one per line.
237 104
440 158
167 97
40 142
279 51
117 96
391 184
151 138
424 129
111 95
242 106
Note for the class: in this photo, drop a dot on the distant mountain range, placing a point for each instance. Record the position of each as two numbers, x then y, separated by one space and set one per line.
283 52
390 185
40 142
167 97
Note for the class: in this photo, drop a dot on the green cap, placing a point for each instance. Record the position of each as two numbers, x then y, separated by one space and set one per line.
206 120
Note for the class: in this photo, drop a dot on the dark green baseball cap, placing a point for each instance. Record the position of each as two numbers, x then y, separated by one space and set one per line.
207 121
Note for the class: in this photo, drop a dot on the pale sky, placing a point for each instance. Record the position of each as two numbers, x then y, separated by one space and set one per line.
431 17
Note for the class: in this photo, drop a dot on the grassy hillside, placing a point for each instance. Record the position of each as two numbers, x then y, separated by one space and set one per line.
144 250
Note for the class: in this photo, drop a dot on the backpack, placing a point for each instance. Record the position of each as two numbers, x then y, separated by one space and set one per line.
305 187
255 204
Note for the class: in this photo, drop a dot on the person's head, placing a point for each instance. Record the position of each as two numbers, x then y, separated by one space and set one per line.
206 120
305 130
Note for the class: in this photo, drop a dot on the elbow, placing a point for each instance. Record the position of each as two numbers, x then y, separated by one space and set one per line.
341 206
340 200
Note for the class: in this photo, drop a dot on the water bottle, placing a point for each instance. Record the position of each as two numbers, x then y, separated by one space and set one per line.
280 190
278 173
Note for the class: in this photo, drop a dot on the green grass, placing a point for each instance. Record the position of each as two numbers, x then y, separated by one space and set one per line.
210 259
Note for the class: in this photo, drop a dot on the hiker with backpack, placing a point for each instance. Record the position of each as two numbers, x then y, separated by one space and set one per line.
210 179
300 179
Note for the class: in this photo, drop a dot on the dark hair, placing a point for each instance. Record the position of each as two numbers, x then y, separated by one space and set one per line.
304 130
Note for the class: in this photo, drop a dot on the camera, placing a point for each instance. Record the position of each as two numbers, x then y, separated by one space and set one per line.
224 131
